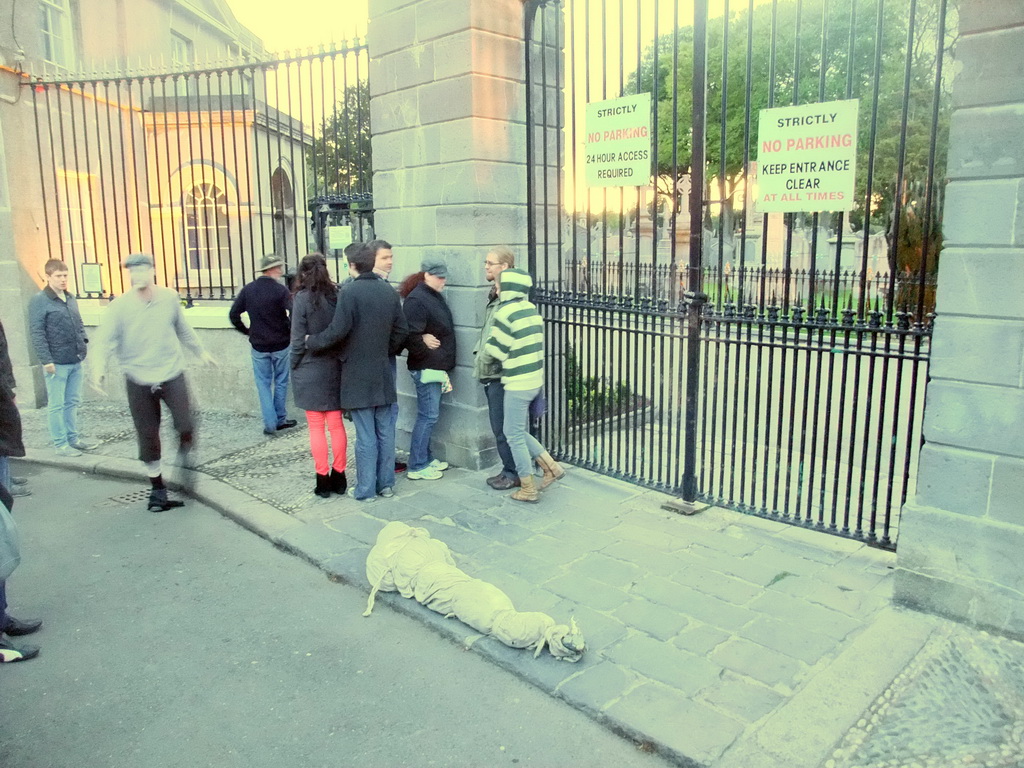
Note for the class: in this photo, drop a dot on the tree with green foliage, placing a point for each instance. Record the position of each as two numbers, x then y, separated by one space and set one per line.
340 160
805 52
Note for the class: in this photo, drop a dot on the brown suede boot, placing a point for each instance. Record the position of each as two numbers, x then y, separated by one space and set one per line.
552 470
527 490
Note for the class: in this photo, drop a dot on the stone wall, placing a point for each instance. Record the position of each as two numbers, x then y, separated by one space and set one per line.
448 115
962 535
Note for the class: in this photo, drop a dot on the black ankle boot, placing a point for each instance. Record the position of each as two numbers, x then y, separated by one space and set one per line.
323 486
339 484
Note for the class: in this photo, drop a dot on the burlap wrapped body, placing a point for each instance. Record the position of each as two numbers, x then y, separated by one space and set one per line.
408 561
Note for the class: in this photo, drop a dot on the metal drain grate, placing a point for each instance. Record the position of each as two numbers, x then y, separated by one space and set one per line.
131 498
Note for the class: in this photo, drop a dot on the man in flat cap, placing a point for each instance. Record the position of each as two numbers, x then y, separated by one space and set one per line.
268 303
145 328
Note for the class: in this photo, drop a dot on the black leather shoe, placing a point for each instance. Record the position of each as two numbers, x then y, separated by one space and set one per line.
15 627
287 424
10 652
503 482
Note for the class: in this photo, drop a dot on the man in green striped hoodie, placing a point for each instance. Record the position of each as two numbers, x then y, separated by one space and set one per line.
517 342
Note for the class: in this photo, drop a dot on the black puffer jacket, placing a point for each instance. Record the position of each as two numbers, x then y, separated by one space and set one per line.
426 311
58 335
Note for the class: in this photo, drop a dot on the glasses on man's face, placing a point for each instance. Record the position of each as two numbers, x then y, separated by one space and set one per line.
491 263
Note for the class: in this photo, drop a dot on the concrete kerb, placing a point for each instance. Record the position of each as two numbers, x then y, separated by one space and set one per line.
253 515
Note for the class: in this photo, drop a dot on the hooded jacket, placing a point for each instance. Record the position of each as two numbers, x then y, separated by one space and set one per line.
517 334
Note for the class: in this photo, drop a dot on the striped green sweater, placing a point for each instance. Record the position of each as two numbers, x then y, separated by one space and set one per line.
517 335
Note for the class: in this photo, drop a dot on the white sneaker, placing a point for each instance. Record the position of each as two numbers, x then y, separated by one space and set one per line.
427 473
66 451
439 465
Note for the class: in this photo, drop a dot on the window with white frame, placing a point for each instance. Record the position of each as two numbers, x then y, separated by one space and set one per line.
206 227
182 51
76 192
182 59
55 25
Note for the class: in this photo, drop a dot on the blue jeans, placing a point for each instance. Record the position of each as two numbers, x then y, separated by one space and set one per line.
428 408
63 396
524 446
375 450
271 372
495 392
394 375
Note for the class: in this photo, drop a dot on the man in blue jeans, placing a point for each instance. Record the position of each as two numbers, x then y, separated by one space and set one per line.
488 371
58 337
268 303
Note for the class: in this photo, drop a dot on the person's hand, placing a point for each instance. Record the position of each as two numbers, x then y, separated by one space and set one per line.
96 382
207 359
50 368
431 341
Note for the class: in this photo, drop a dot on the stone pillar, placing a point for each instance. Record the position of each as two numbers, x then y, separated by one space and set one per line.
961 541
447 106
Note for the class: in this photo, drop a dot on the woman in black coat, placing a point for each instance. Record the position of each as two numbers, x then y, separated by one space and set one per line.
316 377
431 346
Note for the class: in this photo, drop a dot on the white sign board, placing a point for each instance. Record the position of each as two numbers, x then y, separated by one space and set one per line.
617 152
92 278
807 157
339 236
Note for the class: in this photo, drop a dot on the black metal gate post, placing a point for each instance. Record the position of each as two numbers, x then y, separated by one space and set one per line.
694 295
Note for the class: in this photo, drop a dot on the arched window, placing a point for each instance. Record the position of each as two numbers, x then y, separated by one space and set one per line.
282 200
206 227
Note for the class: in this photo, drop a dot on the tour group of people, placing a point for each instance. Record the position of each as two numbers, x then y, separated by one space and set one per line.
336 347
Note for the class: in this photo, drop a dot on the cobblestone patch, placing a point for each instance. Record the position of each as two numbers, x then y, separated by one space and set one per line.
959 703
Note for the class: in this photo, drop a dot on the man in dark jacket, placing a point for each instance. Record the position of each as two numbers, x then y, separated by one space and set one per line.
268 302
58 337
368 327
10 445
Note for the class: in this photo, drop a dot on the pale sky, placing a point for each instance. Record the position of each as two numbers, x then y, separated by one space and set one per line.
301 24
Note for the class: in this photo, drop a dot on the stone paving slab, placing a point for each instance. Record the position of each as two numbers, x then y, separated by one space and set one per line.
717 640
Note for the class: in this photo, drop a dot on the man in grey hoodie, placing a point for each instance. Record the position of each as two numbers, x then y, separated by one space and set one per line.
145 328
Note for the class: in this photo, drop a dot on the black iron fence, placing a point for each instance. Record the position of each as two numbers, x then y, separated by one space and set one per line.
774 363
833 291
208 169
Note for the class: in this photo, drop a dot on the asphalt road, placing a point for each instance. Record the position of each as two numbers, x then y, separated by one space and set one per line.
179 639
